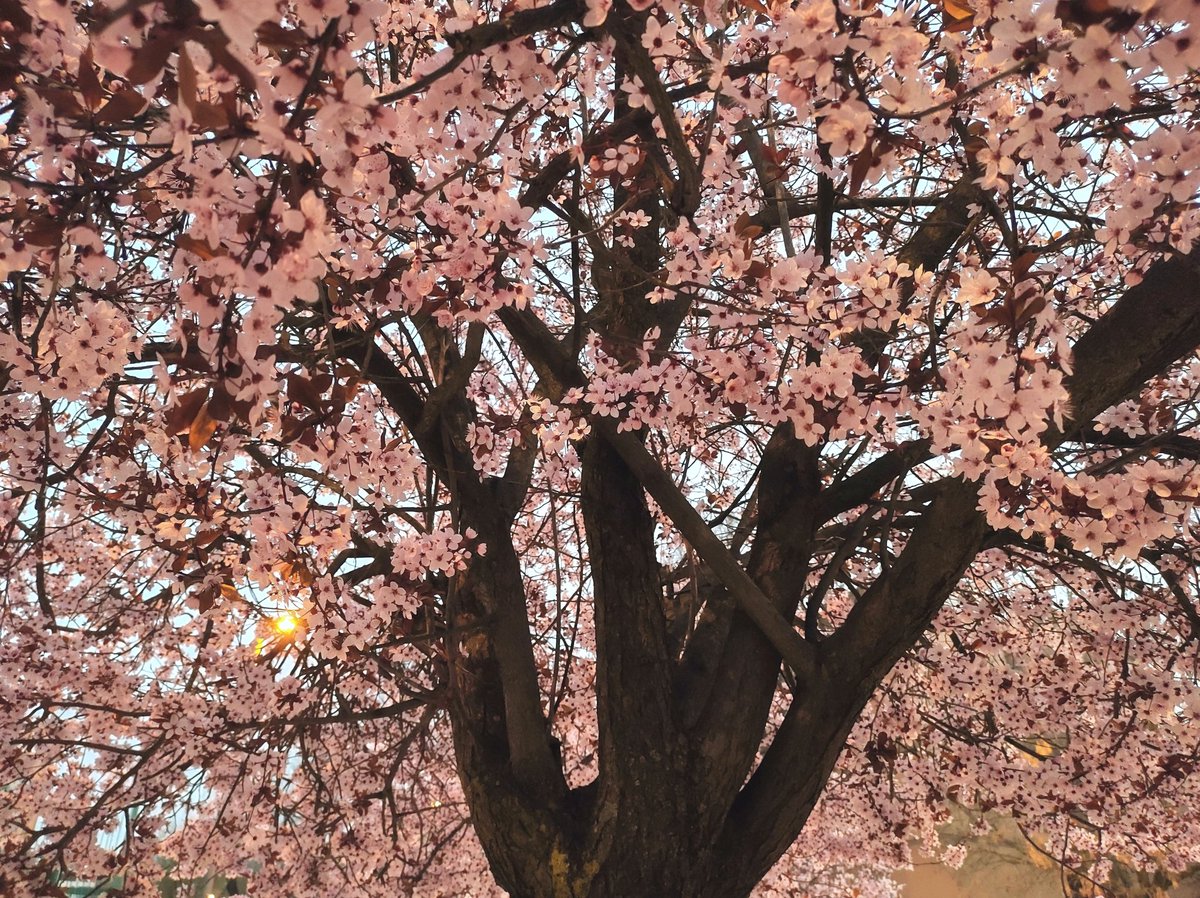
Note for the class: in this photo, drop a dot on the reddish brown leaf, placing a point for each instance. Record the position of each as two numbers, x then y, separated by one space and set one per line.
180 416
229 102
293 568
757 269
185 75
121 107
65 103
219 407
304 391
152 57
210 116
89 81
343 393
43 231
198 247
957 15
205 538
217 45
1032 303
292 428
863 162
976 140
755 5
743 228
1081 14
276 38
206 598
1022 264
14 13
203 427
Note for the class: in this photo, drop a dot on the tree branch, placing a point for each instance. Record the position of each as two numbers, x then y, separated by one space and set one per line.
494 580
466 44
1151 327
687 197
555 366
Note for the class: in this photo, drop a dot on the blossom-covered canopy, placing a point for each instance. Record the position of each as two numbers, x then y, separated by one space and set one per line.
595 447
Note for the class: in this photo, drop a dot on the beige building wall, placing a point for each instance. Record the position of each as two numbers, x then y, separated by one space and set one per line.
1004 865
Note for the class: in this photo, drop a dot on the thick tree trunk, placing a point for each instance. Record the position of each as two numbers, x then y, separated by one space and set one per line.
657 859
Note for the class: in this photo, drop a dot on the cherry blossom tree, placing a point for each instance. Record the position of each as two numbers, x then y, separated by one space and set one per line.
595 448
